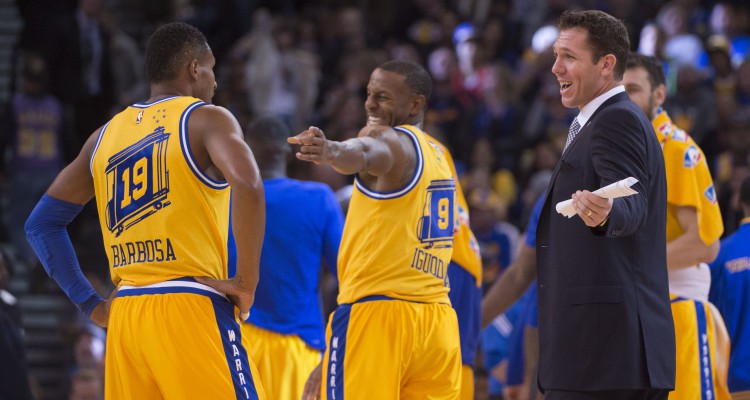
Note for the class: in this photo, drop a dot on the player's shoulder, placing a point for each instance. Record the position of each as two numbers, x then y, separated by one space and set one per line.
687 151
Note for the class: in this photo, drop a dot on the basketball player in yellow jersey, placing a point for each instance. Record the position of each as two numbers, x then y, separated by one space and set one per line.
161 173
394 334
694 227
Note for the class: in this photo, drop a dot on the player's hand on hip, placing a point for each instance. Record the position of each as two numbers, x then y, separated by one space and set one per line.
313 145
100 314
312 386
240 296
592 209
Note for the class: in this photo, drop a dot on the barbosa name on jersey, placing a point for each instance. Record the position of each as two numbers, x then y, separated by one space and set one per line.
157 250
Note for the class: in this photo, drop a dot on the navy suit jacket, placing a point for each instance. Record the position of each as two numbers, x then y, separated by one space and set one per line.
605 321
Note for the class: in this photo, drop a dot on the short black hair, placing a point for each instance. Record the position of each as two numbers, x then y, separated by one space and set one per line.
652 65
606 35
268 131
745 193
170 47
417 78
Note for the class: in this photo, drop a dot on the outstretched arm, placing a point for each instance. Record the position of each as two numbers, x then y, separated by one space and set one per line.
378 151
511 285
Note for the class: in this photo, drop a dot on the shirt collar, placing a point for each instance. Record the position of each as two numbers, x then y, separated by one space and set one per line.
588 110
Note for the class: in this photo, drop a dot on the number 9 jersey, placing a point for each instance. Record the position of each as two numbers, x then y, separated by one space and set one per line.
399 244
161 216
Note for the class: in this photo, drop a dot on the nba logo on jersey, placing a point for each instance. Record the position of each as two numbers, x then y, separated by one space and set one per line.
139 118
692 157
710 194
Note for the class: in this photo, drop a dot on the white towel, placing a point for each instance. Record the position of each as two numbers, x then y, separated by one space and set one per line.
612 191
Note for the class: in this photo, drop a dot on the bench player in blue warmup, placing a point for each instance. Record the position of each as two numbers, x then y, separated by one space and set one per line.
303 225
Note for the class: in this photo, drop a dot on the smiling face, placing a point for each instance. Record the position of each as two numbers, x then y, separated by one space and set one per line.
581 80
390 101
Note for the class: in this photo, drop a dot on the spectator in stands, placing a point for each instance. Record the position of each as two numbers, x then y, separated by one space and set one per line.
35 130
14 380
86 384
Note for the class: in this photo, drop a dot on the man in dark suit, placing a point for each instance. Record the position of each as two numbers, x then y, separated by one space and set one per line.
605 325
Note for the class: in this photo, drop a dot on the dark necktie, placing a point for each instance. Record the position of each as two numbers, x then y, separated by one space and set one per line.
572 132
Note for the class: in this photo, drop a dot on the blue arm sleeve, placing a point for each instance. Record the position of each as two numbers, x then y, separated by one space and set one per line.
46 231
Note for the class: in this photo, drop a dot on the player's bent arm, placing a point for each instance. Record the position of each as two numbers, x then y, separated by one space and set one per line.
46 229
222 139
689 249
511 285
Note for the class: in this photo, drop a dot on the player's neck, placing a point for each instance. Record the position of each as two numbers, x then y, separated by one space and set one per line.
163 90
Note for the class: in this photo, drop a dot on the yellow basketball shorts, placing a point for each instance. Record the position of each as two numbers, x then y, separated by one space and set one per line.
382 348
177 339
284 361
697 376
467 382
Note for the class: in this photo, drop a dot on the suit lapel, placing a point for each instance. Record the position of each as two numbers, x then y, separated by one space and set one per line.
614 99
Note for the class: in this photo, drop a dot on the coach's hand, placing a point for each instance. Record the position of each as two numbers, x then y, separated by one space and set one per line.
100 314
241 296
592 209
312 386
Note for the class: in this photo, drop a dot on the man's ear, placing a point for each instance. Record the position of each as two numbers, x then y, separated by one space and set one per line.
418 104
193 69
608 63
660 95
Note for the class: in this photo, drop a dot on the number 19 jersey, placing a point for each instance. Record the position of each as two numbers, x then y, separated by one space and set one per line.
398 244
161 216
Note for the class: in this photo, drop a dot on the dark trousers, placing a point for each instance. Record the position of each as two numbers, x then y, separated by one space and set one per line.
643 394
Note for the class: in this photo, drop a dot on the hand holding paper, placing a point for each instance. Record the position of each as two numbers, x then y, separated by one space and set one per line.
612 191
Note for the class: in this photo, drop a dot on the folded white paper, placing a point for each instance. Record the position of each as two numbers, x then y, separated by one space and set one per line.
612 191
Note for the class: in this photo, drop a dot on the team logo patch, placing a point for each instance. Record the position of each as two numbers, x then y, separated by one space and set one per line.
679 134
665 128
692 157
710 194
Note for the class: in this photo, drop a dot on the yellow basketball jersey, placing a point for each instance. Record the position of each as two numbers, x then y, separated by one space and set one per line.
465 246
689 181
161 216
398 244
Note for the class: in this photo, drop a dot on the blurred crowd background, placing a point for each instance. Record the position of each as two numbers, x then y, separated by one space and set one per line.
68 66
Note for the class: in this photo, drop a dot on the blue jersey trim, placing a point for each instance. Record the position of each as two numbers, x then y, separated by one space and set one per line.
169 290
96 147
677 299
400 192
704 354
334 380
235 352
147 105
172 286
185 145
